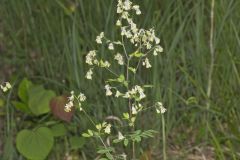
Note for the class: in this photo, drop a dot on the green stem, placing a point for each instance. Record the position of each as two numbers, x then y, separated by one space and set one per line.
164 138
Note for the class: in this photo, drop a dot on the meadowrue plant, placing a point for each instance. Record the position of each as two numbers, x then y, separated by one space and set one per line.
130 52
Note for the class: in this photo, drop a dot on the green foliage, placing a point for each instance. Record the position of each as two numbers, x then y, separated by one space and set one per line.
59 130
107 151
21 106
77 142
89 134
34 98
23 89
45 40
39 99
137 54
35 144
1 102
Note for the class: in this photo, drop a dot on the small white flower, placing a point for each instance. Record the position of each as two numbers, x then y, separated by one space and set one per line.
140 91
138 12
108 129
117 94
157 49
120 136
149 46
111 46
155 53
142 95
160 108
157 40
71 98
125 15
119 23
119 58
146 63
134 110
136 8
99 38
120 7
128 34
127 5
6 87
90 57
89 74
81 97
69 105
108 90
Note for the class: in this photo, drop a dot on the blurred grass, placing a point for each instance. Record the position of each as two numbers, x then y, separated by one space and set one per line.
47 41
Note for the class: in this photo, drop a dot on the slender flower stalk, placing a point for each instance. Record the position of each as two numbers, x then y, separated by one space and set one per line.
145 44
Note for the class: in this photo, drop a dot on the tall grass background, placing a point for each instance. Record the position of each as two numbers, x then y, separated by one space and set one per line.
46 40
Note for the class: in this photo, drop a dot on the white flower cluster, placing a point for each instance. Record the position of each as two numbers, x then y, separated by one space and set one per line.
6 86
137 36
136 92
89 74
105 126
136 108
81 98
160 108
111 46
119 59
99 38
146 63
91 58
69 105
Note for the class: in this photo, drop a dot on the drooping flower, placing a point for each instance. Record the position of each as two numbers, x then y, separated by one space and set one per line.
134 110
111 46
81 97
118 23
157 49
119 58
6 86
160 108
108 129
89 74
127 5
136 8
120 136
108 90
69 105
118 94
90 57
146 63
99 38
